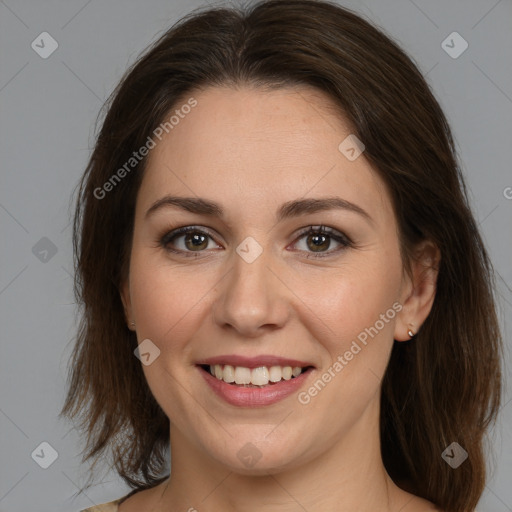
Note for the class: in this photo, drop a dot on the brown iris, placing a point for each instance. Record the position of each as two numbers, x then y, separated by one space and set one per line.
193 241
319 242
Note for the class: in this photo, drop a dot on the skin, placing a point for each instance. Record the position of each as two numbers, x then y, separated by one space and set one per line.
251 150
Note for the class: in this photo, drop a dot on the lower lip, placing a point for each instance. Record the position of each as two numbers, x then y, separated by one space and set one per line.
254 397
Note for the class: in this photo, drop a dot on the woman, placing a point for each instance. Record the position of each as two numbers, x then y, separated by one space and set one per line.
281 278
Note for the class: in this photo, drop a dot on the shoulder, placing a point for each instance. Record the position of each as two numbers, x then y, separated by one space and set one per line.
145 499
111 506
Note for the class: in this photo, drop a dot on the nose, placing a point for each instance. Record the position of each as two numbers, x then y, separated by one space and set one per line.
252 299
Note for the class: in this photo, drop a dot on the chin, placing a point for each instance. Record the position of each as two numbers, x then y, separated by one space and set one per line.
245 457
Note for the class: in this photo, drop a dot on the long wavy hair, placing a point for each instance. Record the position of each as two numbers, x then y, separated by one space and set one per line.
442 387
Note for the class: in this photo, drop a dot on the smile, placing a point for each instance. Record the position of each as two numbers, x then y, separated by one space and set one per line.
244 388
261 376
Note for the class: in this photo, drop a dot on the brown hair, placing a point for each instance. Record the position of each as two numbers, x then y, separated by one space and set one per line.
445 385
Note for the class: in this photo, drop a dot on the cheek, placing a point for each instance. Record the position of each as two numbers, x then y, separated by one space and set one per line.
348 300
357 306
352 311
166 300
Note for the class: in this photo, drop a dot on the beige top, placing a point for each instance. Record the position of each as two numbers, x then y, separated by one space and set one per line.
111 506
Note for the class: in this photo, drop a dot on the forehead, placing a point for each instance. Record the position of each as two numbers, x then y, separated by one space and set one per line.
259 148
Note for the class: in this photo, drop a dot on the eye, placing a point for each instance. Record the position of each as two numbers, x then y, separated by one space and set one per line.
318 239
195 240
193 243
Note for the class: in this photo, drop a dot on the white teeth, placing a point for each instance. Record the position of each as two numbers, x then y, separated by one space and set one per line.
296 371
228 374
287 372
242 375
275 374
260 376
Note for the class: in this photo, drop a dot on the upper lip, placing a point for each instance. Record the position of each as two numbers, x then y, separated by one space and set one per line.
254 362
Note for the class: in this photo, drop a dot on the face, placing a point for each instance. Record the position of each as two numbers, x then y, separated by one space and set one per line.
253 282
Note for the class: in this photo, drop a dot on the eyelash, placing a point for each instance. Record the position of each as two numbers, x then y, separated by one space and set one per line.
317 230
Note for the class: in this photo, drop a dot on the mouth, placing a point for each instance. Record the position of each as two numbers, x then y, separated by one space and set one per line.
258 377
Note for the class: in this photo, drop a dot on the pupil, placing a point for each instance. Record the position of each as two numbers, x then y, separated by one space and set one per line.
196 240
316 238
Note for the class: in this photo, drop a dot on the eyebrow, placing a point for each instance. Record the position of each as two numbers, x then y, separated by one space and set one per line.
287 210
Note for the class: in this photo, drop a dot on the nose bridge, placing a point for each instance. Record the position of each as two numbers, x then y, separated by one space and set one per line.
251 296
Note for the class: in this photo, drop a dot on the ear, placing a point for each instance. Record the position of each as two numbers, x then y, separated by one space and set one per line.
418 290
127 303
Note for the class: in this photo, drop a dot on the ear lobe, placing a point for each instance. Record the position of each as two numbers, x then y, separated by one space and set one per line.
419 292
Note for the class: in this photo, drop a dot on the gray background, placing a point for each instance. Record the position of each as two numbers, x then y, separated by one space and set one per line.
48 110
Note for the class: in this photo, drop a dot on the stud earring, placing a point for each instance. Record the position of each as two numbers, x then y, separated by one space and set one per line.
410 333
132 324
